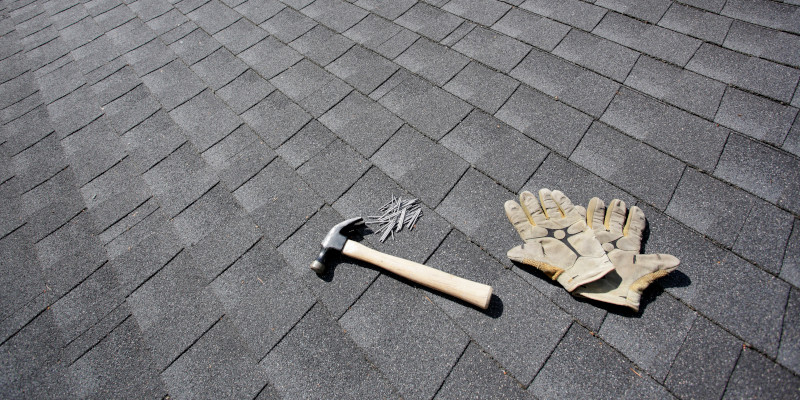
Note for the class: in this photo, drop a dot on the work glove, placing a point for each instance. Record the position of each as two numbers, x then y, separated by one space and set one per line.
620 233
557 240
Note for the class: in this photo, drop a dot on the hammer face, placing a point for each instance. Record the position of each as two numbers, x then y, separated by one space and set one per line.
334 241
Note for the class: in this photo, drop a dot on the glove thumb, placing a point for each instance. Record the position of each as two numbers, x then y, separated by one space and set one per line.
531 254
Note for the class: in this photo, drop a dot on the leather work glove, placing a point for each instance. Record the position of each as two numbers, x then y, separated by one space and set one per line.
557 239
620 233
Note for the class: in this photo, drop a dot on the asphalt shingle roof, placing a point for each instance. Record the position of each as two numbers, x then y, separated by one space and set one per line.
168 168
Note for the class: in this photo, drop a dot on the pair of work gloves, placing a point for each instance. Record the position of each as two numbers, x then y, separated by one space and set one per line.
592 252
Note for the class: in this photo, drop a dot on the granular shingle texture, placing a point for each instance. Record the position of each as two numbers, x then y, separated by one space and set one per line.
169 168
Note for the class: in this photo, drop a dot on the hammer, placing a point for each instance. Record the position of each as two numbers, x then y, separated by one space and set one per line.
471 292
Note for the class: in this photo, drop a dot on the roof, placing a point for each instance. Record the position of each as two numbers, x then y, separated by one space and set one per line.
168 169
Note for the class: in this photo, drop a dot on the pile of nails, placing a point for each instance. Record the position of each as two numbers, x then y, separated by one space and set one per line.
397 213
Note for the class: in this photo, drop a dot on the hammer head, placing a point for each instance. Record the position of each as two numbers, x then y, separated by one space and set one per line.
334 242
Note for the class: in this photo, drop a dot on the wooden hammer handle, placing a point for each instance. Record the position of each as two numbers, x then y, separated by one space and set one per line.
474 293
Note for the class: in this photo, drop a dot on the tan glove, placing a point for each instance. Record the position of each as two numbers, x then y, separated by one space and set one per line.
557 239
620 233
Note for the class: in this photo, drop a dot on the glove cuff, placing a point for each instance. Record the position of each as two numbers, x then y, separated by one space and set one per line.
585 270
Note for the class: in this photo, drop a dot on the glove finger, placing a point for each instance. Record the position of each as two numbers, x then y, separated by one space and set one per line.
595 214
519 219
656 262
531 206
565 205
549 204
615 216
634 228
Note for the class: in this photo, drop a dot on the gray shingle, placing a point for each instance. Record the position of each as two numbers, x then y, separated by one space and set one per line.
270 57
173 309
131 109
149 9
421 166
572 12
330 94
212 210
114 17
416 333
187 6
667 128
493 49
745 163
792 142
220 359
578 87
764 237
611 154
600 366
376 33
195 46
648 10
483 87
750 73
259 11
389 10
361 122
333 170
27 130
532 29
278 201
462 30
150 57
127 367
432 61
779 16
205 119
178 33
597 54
495 148
335 14
363 69
428 108
704 363
288 25
652 340
179 179
219 68
26 283
245 91
92 150
755 116
301 365
649 39
276 118
253 291
213 16
677 86
321 45
755 376
790 338
240 35
301 80
173 84
143 259
476 374
86 304
429 21
131 35
306 143
81 33
484 12
152 140
73 111
790 270
763 42
167 21
525 314
710 206
700 24
115 85
474 206
545 120
744 299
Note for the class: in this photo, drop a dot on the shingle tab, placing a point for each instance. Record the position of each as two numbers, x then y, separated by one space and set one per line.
545 120
428 108
698 23
180 179
790 338
321 45
571 12
648 10
432 61
205 119
429 21
484 12
745 163
418 333
259 11
598 54
790 270
361 122
476 374
767 13
240 35
335 14
532 29
667 128
247 90
755 116
578 87
219 68
173 84
495 50
288 25
270 57
302 80
763 240
333 170
213 16
607 152
755 375
362 68
276 118
677 86
481 86
763 42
